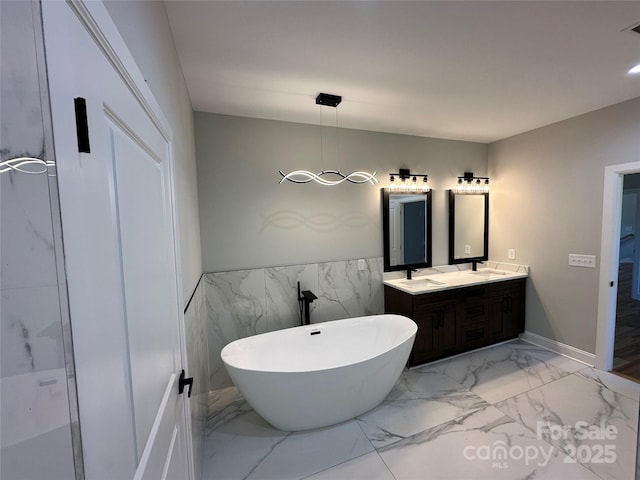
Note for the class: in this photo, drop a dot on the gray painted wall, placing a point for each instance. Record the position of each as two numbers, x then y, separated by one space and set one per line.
248 220
546 202
145 29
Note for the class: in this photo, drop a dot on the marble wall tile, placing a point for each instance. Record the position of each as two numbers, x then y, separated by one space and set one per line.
281 286
26 232
38 404
36 411
345 291
43 457
247 302
31 330
236 308
22 116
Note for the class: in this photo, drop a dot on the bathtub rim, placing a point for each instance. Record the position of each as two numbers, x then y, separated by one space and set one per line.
410 336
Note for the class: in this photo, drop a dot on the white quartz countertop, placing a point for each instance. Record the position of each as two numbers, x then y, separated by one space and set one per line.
435 282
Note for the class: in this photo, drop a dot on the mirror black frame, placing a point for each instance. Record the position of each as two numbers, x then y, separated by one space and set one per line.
385 228
452 218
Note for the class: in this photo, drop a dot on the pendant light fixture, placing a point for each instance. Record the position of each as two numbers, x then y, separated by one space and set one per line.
328 177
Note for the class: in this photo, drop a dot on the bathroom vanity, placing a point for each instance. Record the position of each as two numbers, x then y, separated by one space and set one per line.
456 308
458 311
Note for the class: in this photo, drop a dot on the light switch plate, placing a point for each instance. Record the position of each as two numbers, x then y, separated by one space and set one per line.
467 249
511 253
362 265
587 261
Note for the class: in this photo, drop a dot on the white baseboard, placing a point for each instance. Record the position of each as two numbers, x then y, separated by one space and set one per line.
558 347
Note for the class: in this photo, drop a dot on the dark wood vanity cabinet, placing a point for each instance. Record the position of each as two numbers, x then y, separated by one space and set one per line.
506 309
439 334
473 312
458 320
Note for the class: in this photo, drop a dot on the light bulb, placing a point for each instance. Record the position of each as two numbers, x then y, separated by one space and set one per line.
392 184
460 186
486 186
414 185
425 187
403 185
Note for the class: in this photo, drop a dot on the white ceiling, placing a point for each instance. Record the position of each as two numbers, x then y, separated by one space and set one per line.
467 70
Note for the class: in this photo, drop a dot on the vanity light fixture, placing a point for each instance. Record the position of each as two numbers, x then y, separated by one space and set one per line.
408 182
635 69
469 183
30 165
305 176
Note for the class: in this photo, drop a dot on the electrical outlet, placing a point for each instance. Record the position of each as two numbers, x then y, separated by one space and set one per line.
511 253
467 249
587 261
362 265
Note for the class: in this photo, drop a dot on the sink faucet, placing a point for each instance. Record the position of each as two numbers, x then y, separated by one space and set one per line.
474 265
409 271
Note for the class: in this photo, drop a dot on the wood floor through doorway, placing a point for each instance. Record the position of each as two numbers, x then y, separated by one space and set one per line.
626 356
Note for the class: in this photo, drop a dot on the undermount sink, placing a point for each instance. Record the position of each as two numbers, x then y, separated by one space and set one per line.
422 282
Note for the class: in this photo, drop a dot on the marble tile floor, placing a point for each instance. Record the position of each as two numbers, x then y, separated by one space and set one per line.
511 411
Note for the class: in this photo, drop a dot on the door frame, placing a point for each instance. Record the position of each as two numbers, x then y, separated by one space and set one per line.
95 18
609 259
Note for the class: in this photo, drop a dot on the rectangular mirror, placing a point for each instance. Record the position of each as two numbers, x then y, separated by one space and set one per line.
468 227
406 230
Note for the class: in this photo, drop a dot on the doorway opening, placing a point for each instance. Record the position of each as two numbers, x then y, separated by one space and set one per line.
619 255
626 350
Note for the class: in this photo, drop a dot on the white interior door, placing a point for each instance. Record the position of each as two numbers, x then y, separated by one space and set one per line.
117 216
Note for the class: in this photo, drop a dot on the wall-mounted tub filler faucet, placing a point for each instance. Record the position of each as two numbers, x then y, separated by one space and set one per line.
474 265
305 299
410 270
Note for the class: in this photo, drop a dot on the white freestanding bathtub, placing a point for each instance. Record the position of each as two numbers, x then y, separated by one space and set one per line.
320 374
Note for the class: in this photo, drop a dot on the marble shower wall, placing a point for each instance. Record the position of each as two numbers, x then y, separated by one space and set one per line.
35 404
247 302
195 319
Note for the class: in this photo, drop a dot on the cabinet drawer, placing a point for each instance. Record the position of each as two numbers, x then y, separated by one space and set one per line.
469 294
426 301
499 288
475 337
473 312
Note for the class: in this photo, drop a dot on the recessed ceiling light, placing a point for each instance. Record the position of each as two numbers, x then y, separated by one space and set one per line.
635 69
